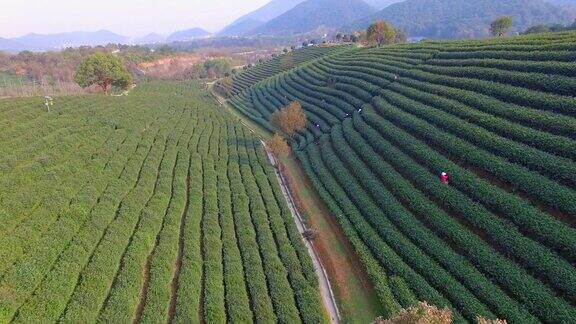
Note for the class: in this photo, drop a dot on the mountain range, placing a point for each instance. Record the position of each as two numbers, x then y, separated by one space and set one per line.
312 15
56 41
418 18
188 35
38 42
269 11
254 22
10 45
240 28
152 38
464 18
258 17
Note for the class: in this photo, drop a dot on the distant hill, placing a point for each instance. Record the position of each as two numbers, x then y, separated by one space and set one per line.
563 2
464 18
258 17
315 14
381 4
7 45
71 39
246 24
270 11
241 28
188 35
151 38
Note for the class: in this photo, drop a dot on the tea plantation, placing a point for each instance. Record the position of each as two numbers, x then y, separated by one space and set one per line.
155 207
499 116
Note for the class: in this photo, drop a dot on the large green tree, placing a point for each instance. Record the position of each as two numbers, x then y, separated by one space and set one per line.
105 70
217 68
501 26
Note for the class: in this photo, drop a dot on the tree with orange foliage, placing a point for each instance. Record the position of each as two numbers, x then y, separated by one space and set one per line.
290 119
384 33
381 33
278 146
428 314
421 314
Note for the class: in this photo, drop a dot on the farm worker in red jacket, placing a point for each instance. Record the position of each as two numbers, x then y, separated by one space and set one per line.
444 178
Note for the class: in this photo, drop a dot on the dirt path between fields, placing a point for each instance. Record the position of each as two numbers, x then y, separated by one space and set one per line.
326 291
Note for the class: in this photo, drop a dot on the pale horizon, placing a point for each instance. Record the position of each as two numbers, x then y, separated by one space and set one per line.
128 17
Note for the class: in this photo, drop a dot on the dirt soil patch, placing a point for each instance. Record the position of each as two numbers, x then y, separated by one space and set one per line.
356 297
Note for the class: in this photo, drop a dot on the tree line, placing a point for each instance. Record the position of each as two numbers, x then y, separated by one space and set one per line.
550 28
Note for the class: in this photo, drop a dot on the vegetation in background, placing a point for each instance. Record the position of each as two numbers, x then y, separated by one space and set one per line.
104 70
52 73
537 29
441 19
346 38
204 68
215 68
60 66
500 26
232 42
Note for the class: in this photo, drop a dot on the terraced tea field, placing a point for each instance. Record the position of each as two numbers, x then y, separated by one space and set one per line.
155 207
278 64
499 116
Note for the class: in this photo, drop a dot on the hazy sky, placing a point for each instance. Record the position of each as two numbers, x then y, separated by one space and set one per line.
127 17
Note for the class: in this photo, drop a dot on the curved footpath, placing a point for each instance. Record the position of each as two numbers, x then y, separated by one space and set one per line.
325 288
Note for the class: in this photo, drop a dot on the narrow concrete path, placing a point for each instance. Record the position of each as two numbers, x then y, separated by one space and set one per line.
325 288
